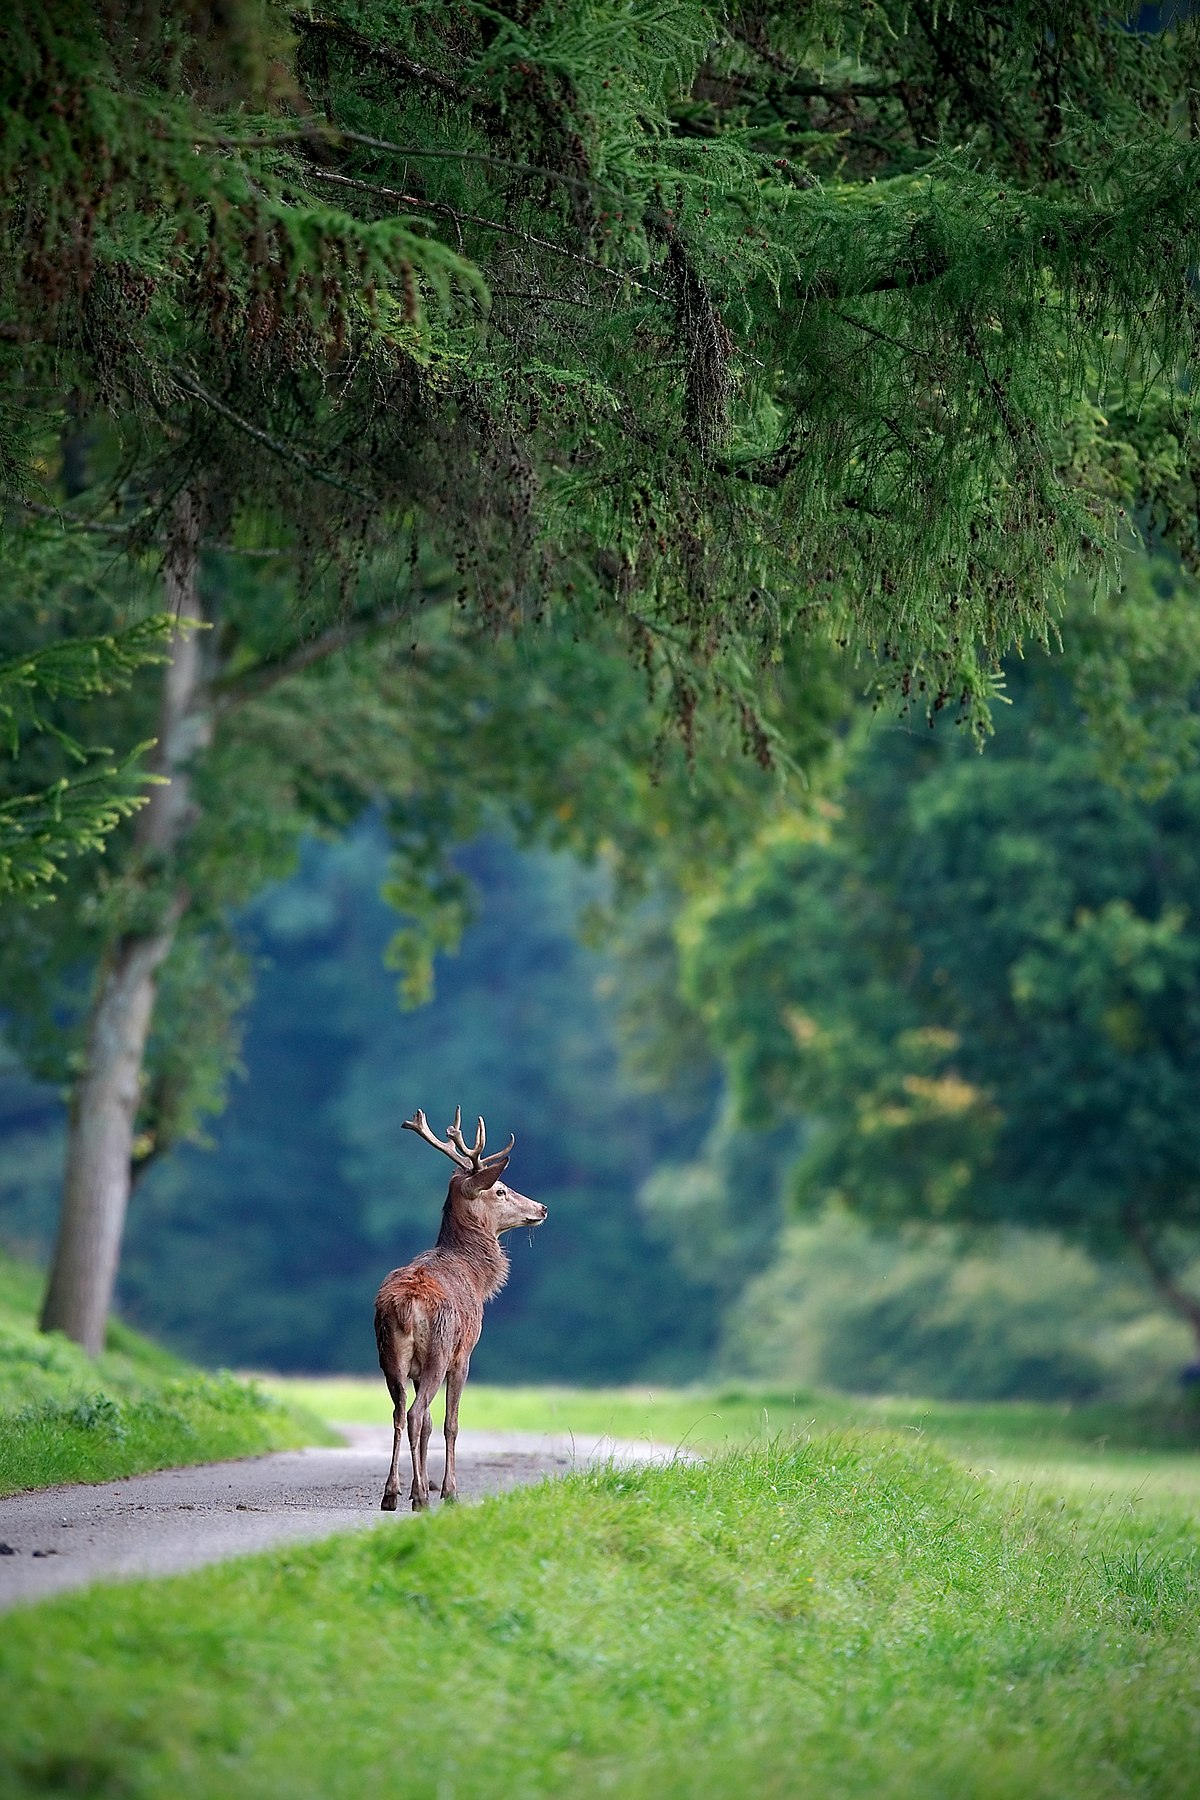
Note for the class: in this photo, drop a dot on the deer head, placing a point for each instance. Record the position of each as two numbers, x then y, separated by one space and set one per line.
477 1187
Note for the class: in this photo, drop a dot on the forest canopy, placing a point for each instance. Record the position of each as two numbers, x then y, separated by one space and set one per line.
723 323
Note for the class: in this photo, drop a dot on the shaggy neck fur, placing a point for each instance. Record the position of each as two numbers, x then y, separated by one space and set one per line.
476 1248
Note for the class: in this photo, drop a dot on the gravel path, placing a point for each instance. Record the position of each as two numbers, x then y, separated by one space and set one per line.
65 1537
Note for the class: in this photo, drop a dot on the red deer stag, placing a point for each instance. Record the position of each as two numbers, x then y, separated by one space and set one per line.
428 1316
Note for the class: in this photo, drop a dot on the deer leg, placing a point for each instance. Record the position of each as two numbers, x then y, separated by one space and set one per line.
426 1429
414 1445
395 1373
456 1381
391 1492
419 1424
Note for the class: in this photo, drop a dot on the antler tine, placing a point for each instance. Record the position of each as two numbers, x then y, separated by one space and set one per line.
454 1133
468 1156
456 1151
489 1162
472 1152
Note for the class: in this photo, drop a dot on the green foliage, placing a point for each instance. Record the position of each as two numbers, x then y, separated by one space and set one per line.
39 831
78 669
1019 1315
121 135
720 324
64 1417
721 1210
50 681
811 1605
979 982
1134 669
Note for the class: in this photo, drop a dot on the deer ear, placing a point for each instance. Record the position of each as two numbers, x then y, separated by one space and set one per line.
487 1178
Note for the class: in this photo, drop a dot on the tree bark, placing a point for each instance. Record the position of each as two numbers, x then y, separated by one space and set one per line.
103 1114
1161 1274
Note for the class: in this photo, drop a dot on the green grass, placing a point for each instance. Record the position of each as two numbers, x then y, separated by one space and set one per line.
65 1418
849 1615
1108 1455
712 1418
849 1598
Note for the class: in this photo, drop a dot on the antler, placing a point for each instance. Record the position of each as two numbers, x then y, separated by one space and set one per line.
466 1156
454 1133
420 1124
489 1162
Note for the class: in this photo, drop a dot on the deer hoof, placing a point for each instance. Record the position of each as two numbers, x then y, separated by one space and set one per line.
449 1499
388 1503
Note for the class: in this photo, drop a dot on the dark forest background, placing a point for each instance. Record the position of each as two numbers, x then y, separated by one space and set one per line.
264 1249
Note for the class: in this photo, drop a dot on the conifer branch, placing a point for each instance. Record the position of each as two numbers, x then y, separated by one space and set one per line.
977 98
501 227
797 86
393 60
251 684
996 389
884 337
319 132
764 471
277 446
130 533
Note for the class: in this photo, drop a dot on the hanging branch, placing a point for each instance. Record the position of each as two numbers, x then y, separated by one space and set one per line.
392 60
287 452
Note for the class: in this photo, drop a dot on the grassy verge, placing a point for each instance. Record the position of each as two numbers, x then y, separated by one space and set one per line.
65 1418
848 1615
710 1418
1109 1454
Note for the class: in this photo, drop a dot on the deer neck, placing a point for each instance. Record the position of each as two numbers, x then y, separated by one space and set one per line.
475 1248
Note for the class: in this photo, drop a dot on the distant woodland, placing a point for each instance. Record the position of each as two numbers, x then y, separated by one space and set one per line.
673 1251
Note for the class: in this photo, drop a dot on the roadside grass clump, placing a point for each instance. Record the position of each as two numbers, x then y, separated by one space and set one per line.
1157 1585
839 1616
66 1418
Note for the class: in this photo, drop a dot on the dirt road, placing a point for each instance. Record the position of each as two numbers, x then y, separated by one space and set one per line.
66 1537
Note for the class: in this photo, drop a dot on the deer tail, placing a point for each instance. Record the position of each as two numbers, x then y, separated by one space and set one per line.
393 1320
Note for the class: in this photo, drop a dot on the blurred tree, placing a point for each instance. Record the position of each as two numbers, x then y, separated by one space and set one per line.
980 982
1010 1315
177 858
308 1190
554 741
722 1209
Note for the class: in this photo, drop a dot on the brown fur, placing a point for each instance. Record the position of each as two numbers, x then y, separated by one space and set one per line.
429 1314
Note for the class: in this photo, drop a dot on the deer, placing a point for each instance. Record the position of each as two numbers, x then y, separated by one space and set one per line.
429 1314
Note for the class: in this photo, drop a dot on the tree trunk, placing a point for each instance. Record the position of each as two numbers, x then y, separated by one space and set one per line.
103 1115
1161 1274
